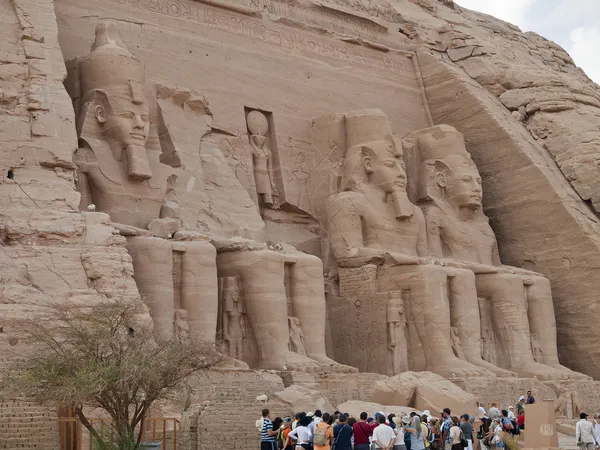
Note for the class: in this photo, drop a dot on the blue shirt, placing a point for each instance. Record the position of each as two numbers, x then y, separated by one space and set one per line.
342 436
446 427
264 433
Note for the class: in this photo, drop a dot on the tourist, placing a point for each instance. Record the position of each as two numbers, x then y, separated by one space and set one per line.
455 433
511 414
480 411
434 426
399 432
418 433
507 423
405 422
597 426
521 420
383 436
496 430
267 434
521 405
323 433
301 434
530 399
287 427
494 412
467 430
446 425
483 437
298 417
584 433
362 432
318 416
342 434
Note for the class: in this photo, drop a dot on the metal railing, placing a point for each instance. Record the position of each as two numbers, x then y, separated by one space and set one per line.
74 436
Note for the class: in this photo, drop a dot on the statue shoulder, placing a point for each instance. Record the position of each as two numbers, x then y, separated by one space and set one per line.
345 203
433 213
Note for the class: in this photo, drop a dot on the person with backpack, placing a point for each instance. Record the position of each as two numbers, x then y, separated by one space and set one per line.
467 430
342 435
323 434
507 424
283 440
362 431
267 433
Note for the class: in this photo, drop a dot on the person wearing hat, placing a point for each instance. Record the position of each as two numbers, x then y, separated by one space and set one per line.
399 431
584 433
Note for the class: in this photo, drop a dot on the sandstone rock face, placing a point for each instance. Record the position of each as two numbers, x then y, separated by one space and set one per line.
249 110
424 390
301 398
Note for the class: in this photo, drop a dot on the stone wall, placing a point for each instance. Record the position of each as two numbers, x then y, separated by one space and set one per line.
25 425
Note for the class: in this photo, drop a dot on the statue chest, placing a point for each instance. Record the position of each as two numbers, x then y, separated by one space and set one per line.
468 241
382 230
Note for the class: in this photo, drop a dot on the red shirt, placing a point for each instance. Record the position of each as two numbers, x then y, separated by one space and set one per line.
361 431
521 420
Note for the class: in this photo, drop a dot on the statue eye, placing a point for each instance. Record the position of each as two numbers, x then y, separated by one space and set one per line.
466 179
127 115
478 180
389 164
145 117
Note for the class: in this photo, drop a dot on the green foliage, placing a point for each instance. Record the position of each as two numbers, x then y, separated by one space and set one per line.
103 356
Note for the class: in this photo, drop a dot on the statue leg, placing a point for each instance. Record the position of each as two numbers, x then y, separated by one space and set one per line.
542 322
262 275
464 315
507 295
199 291
153 274
431 316
308 305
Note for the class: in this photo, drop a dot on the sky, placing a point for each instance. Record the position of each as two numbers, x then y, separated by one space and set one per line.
573 24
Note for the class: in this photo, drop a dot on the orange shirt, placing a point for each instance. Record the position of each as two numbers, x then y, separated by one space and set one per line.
328 433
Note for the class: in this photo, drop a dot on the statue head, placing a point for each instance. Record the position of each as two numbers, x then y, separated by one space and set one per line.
112 90
372 158
447 173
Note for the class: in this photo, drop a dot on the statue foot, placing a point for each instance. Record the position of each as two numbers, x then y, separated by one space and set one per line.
330 365
457 368
570 374
300 363
534 369
498 371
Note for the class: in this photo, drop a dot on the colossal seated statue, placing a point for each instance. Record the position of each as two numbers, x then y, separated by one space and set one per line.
121 178
372 221
450 194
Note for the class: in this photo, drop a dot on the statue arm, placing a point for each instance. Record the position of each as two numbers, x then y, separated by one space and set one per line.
433 226
422 247
270 169
347 241
225 326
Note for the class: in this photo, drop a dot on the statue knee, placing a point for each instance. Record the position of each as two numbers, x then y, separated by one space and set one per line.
152 249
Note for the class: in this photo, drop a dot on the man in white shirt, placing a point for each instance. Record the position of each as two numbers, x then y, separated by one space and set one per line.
511 413
584 433
480 411
383 435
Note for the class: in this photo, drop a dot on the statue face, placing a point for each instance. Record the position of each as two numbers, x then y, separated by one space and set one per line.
462 186
385 169
127 123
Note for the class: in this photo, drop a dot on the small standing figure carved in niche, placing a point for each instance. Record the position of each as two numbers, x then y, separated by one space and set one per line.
234 322
182 329
296 343
536 348
456 344
262 159
396 323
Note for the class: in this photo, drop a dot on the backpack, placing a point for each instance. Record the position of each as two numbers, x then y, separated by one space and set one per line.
430 436
463 440
516 429
280 439
320 436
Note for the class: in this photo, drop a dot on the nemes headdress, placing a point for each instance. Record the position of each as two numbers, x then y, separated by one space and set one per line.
111 67
362 127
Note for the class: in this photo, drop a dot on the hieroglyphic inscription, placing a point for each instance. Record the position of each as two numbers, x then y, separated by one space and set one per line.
327 18
303 43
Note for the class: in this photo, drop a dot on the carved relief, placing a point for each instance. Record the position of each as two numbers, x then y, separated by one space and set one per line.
296 343
263 160
182 328
397 338
234 316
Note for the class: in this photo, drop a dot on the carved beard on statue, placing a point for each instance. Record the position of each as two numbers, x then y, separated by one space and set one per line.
402 205
137 162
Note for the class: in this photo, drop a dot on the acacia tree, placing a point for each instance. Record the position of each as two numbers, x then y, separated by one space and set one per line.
103 357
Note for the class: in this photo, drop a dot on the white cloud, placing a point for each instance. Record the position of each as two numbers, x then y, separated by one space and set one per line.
585 50
513 11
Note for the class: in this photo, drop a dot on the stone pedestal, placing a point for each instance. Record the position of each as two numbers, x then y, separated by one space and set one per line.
540 425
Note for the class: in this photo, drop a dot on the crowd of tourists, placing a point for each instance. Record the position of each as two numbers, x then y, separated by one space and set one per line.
415 431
